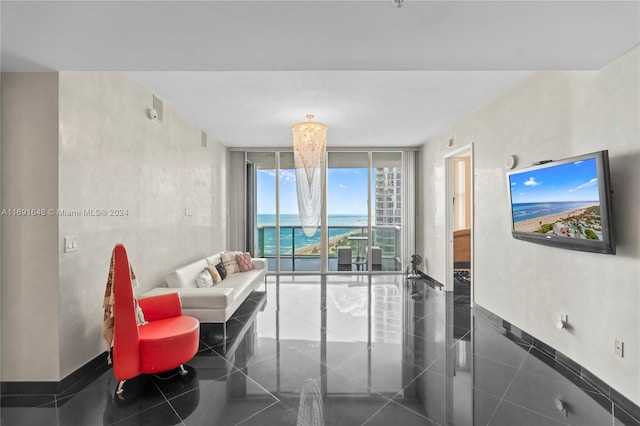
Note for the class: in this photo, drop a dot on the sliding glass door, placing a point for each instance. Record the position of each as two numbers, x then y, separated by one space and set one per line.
278 235
348 210
297 251
387 194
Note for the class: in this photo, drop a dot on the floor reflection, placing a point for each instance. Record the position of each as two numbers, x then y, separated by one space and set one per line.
341 350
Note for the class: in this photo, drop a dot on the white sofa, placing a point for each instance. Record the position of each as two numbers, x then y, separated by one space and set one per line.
215 304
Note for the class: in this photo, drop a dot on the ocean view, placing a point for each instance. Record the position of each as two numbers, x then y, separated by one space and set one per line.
526 211
294 220
346 224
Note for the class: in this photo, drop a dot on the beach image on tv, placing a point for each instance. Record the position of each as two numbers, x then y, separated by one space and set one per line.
561 200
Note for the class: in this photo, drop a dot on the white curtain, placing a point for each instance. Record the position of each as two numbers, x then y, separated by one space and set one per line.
409 207
237 200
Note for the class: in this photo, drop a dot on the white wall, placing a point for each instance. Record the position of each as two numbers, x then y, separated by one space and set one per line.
30 282
552 115
109 155
219 198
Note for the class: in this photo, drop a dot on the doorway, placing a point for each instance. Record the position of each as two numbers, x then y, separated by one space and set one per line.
459 222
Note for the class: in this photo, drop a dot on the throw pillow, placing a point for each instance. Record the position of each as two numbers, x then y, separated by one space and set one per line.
204 280
229 261
215 275
244 262
221 270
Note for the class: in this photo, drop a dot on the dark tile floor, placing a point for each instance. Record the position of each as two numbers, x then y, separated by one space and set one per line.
343 350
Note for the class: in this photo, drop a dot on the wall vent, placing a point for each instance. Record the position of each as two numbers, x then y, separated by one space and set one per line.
158 106
203 139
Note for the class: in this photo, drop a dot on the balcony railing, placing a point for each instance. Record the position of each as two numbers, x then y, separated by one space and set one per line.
297 248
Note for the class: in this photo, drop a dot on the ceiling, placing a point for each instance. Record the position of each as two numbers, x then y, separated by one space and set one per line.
379 76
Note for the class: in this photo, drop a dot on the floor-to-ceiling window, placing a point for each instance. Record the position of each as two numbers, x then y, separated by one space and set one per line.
363 222
387 202
348 210
298 252
264 202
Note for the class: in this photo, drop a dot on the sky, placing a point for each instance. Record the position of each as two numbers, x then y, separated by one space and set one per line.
346 192
576 181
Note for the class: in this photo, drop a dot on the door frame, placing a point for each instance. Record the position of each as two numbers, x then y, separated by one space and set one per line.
449 192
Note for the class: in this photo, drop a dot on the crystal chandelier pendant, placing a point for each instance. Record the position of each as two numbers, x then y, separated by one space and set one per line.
309 144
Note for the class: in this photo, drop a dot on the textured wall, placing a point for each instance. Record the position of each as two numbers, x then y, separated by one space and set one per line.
218 194
82 143
552 115
112 156
30 290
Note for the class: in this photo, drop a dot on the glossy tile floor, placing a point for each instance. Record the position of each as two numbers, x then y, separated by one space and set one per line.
344 350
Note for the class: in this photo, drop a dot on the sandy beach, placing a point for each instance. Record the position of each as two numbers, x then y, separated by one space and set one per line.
315 248
531 225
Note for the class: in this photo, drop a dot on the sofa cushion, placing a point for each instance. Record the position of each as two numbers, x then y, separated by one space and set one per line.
229 262
221 270
215 275
185 277
244 262
199 298
259 264
204 279
242 279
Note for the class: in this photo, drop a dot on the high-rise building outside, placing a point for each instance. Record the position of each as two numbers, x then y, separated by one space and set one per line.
388 210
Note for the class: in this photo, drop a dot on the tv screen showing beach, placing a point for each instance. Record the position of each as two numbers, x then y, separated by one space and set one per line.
561 200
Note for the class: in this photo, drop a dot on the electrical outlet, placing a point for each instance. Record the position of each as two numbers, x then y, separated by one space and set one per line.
563 322
619 347
70 244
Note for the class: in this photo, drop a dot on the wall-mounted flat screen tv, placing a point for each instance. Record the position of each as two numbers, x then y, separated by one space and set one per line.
565 203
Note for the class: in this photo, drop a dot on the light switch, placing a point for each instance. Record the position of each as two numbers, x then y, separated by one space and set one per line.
70 244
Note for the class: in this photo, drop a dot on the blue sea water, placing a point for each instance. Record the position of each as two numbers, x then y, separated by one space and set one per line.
294 220
289 228
524 211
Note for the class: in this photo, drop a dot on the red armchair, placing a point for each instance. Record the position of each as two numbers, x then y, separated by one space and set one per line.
168 340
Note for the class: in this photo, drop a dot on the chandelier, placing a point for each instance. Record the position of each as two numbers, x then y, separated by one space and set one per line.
309 142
